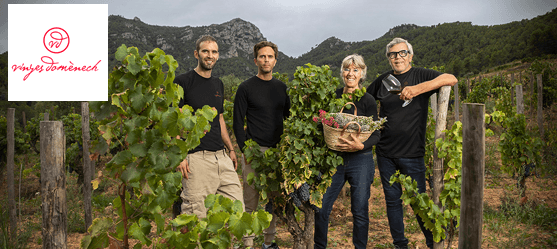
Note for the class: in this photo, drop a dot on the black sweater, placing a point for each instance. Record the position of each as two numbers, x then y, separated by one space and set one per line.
264 105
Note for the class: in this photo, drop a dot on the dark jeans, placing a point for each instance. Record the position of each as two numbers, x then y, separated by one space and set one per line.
415 168
358 170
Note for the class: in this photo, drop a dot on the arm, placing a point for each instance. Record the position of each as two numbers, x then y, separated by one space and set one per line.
445 79
240 109
226 140
286 111
354 144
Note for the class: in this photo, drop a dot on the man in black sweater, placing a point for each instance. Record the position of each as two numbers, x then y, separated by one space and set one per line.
263 102
207 169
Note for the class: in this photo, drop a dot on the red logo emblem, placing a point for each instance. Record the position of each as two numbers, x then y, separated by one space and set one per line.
56 40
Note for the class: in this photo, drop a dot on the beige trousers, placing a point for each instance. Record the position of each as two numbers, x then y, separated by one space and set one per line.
211 173
251 200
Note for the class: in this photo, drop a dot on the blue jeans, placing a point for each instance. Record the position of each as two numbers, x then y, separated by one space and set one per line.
415 168
358 170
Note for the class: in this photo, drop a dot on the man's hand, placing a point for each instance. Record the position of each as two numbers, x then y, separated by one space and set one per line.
234 159
184 168
408 93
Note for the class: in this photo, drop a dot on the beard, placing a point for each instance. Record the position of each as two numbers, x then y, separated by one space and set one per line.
266 70
206 66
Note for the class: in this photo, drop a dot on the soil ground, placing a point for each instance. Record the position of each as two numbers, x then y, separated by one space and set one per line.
539 191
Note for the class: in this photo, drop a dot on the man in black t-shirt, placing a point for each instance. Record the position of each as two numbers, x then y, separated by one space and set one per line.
402 143
207 169
262 101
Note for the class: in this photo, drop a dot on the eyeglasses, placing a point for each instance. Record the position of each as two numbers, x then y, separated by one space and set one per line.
402 53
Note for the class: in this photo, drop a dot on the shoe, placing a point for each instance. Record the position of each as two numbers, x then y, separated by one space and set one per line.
272 246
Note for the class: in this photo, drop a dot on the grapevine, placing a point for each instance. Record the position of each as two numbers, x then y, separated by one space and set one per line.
143 104
441 221
301 157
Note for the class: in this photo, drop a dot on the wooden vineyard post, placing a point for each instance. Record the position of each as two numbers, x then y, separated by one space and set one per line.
53 184
468 89
87 169
532 84
10 171
519 100
46 116
438 173
473 166
512 88
540 105
433 100
24 122
456 104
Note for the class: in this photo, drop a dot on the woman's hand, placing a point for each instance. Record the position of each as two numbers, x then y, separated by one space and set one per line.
350 145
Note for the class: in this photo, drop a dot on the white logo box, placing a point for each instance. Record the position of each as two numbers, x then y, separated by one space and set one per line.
79 72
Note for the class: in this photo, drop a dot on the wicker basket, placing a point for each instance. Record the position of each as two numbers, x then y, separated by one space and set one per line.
332 135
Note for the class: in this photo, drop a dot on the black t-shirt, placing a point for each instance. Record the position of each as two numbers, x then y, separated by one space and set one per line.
403 135
198 92
366 106
265 105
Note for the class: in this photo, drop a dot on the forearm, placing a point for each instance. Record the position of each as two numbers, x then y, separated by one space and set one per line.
239 132
224 134
442 80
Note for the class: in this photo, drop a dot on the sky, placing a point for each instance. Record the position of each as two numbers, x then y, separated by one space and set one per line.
298 25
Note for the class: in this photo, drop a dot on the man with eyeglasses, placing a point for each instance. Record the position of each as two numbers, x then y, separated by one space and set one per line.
402 143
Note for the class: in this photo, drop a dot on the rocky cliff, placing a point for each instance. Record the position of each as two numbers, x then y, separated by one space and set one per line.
236 39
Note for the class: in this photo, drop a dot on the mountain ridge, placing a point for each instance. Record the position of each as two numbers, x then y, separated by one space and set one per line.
461 47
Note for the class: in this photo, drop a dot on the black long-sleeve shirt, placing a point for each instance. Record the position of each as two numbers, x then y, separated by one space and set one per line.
264 105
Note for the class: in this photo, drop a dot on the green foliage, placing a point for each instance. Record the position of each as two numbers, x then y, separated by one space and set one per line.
74 140
503 101
4 76
445 219
158 135
143 102
301 155
224 219
548 71
480 91
231 84
7 240
518 146
20 141
429 141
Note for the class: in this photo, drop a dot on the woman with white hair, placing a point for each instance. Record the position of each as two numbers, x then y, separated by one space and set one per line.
358 168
